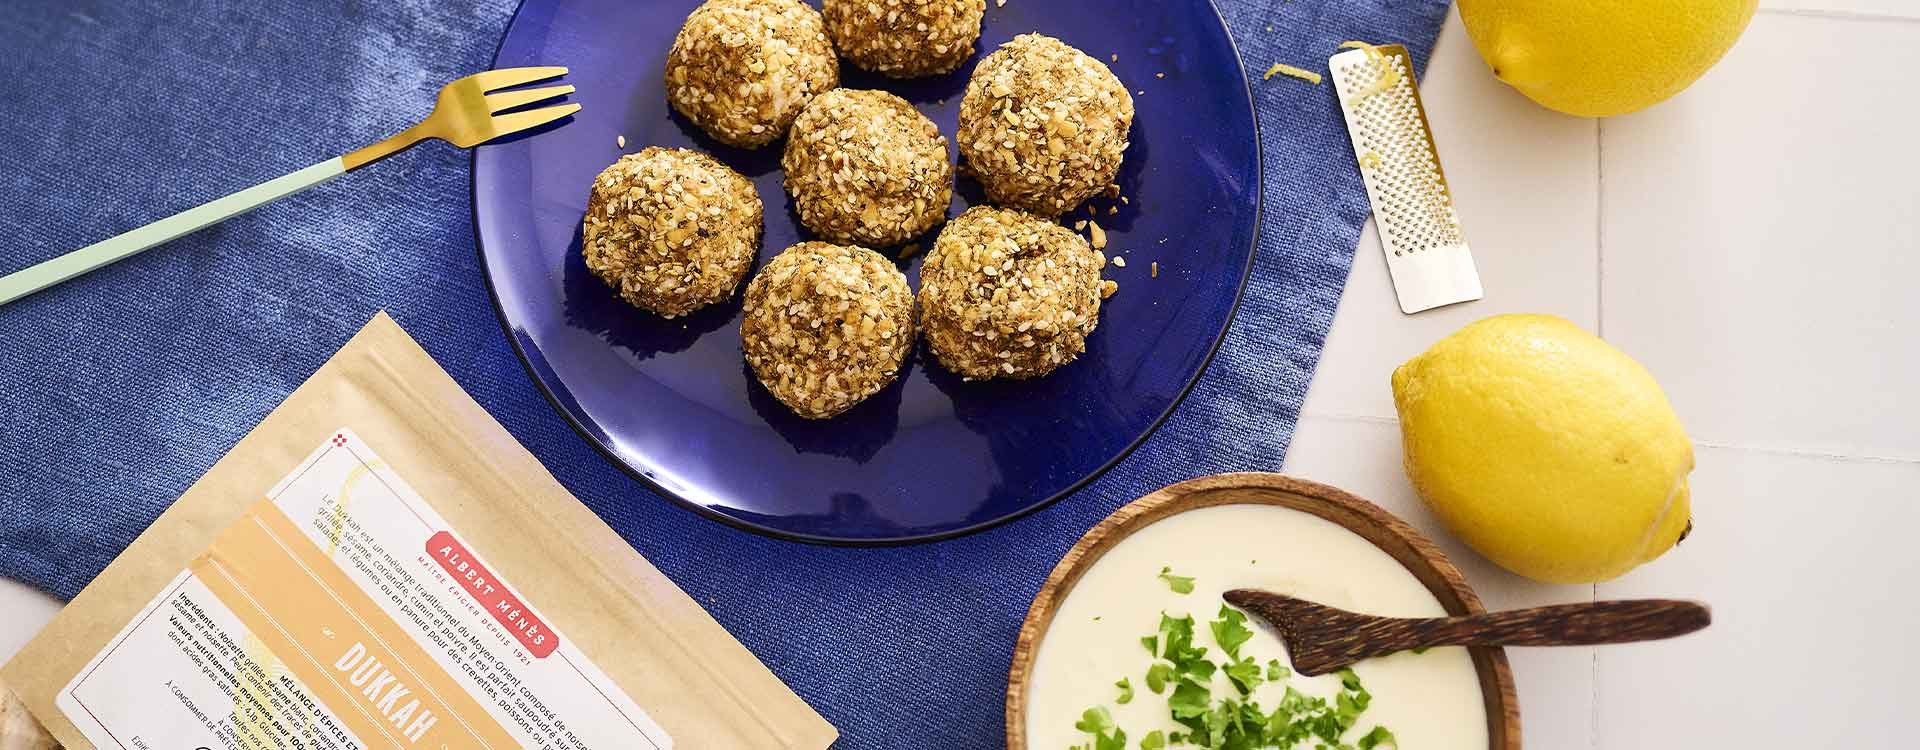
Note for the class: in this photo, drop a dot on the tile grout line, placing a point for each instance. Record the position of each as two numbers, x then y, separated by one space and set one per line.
1715 444
1599 232
1841 15
1818 455
1337 417
1593 687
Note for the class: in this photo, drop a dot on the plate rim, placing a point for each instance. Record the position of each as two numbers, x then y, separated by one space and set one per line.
607 454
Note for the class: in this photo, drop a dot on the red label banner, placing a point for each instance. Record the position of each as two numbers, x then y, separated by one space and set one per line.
492 595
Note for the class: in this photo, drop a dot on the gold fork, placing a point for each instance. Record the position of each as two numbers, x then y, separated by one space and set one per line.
467 114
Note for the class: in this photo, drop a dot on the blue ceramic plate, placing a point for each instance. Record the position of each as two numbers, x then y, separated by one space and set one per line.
930 456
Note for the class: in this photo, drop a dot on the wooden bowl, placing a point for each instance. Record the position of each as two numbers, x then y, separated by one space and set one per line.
1387 532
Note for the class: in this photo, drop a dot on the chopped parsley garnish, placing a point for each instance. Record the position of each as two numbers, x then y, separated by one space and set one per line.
1379 739
1230 630
1097 722
1244 674
1158 676
1232 719
1179 584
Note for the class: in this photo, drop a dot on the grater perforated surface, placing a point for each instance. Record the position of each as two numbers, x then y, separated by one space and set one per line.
1419 227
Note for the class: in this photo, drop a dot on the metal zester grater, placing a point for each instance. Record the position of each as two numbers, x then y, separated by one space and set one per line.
1419 230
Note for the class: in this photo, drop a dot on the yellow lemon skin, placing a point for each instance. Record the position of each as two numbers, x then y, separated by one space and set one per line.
1545 449
1599 58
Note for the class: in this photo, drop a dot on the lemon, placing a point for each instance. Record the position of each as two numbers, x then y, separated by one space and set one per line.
1544 448
1599 58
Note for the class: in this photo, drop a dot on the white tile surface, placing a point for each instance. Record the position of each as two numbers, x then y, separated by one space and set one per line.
1524 181
1363 457
1760 235
1808 568
1862 9
26 611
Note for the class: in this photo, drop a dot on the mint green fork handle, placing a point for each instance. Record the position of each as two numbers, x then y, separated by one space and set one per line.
21 283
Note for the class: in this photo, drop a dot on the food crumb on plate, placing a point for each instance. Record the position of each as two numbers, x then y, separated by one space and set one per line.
1119 261
620 141
1154 269
1107 288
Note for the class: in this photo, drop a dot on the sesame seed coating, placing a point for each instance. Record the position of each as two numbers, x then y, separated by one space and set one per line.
743 69
1006 294
904 38
827 326
671 230
866 168
1043 126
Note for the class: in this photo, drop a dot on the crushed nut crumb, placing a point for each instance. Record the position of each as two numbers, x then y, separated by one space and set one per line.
1097 235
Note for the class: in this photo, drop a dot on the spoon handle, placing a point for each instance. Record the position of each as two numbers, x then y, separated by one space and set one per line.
1588 623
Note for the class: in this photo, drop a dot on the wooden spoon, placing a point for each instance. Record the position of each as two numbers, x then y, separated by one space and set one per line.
1322 639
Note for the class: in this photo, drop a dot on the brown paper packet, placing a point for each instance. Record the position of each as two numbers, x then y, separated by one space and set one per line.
700 684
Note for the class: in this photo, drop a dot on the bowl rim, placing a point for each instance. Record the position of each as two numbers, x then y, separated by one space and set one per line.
1384 530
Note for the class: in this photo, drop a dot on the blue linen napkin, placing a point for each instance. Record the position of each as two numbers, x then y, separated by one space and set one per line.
118 390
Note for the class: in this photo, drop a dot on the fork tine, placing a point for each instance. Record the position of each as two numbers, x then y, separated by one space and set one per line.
518 121
506 100
504 77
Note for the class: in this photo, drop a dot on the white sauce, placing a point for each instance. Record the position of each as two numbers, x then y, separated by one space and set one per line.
1431 701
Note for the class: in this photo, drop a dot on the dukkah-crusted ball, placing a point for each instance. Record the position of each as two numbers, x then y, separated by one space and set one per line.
742 69
866 168
904 38
671 230
1043 126
826 326
1006 294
